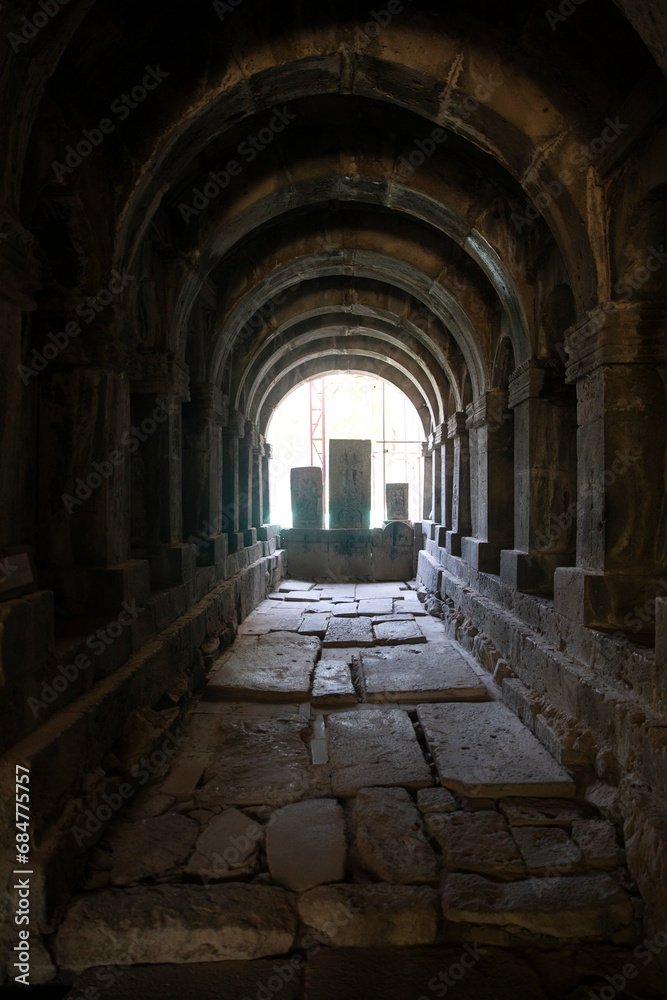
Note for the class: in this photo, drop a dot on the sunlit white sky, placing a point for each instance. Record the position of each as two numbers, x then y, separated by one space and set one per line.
353 409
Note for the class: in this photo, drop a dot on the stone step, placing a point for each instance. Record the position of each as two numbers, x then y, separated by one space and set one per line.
279 666
484 751
175 923
426 673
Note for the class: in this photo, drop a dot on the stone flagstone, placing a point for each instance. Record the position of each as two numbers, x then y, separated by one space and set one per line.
424 673
176 924
479 842
345 632
229 842
376 607
375 747
548 851
395 633
484 751
371 916
314 625
278 667
332 684
389 837
306 844
150 847
569 908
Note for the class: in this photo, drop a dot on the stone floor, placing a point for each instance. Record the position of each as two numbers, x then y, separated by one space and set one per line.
353 812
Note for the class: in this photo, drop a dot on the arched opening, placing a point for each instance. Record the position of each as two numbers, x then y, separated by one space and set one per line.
347 406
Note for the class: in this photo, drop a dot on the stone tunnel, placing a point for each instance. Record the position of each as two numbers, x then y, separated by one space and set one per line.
233 763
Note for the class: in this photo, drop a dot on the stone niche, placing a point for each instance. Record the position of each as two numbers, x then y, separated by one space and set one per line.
307 488
349 484
397 497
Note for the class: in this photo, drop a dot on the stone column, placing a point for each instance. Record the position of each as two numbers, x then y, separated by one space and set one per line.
247 444
618 361
266 483
461 512
234 432
257 484
490 424
157 397
307 489
203 419
447 467
545 488
427 456
350 483
435 442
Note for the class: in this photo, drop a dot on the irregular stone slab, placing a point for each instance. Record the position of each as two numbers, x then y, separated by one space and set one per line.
436 800
377 606
258 761
425 673
300 597
345 609
379 974
150 847
307 489
288 586
570 908
484 751
306 844
371 916
229 841
349 483
321 608
205 981
598 842
548 851
344 632
543 812
375 747
378 591
278 667
333 684
379 619
183 778
287 623
398 633
314 625
478 842
389 837
177 924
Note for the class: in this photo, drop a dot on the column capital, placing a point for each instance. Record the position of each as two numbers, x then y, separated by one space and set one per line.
160 373
527 382
236 422
490 408
426 451
456 425
616 333
268 450
208 400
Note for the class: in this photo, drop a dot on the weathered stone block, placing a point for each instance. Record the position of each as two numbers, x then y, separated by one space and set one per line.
349 483
307 488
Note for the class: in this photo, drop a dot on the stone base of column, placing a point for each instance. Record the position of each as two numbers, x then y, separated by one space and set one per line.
482 556
235 541
211 551
173 565
531 573
610 601
249 536
267 532
454 543
109 587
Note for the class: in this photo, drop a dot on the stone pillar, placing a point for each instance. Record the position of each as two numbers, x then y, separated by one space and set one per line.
162 386
618 361
203 419
257 484
461 512
307 489
436 471
427 510
545 488
232 434
490 425
397 497
447 467
266 483
350 483
247 444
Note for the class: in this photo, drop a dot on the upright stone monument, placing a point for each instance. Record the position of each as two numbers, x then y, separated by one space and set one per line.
397 501
350 484
307 497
